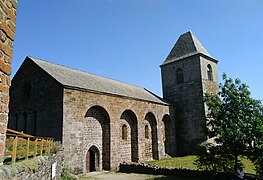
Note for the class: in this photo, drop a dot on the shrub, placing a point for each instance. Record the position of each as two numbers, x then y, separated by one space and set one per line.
65 175
213 161
55 147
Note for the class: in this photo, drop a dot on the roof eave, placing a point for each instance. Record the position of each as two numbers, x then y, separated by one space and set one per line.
111 94
187 56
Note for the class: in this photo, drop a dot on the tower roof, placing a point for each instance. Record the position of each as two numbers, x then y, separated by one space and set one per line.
187 45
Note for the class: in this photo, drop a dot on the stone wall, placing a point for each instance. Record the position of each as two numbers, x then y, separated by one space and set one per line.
82 130
209 86
188 98
89 124
7 31
39 168
36 102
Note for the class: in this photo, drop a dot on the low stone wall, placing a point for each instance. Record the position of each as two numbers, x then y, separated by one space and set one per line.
149 169
39 168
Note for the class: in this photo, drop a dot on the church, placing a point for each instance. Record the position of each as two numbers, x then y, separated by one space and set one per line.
102 122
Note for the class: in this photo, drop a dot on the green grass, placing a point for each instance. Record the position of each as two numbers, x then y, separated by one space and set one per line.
187 162
248 165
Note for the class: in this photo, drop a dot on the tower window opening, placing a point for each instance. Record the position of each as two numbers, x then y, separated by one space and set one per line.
209 72
179 76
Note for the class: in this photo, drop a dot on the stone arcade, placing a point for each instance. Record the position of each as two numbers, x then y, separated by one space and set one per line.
102 122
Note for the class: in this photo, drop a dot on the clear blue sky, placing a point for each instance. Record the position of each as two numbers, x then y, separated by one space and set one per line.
127 40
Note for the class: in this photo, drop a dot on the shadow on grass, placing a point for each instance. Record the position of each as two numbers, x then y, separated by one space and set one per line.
174 178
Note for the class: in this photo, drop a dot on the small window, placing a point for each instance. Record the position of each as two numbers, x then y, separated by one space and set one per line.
124 132
179 76
209 72
146 131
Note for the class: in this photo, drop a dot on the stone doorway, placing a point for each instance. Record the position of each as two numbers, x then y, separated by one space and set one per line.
92 159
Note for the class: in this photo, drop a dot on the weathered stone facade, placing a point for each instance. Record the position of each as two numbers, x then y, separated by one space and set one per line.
185 80
115 111
103 122
98 130
7 31
37 101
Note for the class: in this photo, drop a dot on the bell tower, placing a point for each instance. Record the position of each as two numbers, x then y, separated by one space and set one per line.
188 72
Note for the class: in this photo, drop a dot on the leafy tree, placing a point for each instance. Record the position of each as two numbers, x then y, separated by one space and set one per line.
235 119
212 160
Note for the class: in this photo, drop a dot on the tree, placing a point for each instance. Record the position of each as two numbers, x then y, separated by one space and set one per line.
235 119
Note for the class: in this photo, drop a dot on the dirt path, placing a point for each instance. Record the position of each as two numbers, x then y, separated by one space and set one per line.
119 176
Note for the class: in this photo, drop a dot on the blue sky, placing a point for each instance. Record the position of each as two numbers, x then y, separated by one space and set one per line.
127 40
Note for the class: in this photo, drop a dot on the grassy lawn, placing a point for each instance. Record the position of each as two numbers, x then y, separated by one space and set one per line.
187 162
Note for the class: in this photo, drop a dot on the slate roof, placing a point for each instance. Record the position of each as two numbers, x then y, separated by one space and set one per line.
76 79
187 45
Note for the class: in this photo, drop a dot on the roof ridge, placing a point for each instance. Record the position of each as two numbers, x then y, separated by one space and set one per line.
186 45
193 40
82 71
77 79
196 43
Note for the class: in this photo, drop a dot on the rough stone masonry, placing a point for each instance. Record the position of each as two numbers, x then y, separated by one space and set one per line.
102 122
8 10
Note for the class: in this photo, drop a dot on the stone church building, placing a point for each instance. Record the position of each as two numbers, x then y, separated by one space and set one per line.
102 122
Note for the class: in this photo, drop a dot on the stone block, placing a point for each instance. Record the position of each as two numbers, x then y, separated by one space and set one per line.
7 30
3 127
6 49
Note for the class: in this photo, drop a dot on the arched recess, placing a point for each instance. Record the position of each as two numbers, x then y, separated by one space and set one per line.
151 144
167 134
97 130
129 147
92 159
12 122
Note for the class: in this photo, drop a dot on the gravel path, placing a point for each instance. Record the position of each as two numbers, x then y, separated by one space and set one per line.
119 176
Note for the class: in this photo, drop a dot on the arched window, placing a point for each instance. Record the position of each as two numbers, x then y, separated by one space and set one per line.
124 132
179 76
209 72
146 131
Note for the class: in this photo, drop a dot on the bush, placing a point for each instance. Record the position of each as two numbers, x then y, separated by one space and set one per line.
56 147
65 175
211 160
257 159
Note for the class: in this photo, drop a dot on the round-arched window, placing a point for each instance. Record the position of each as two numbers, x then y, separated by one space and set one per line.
209 72
124 132
146 131
179 76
